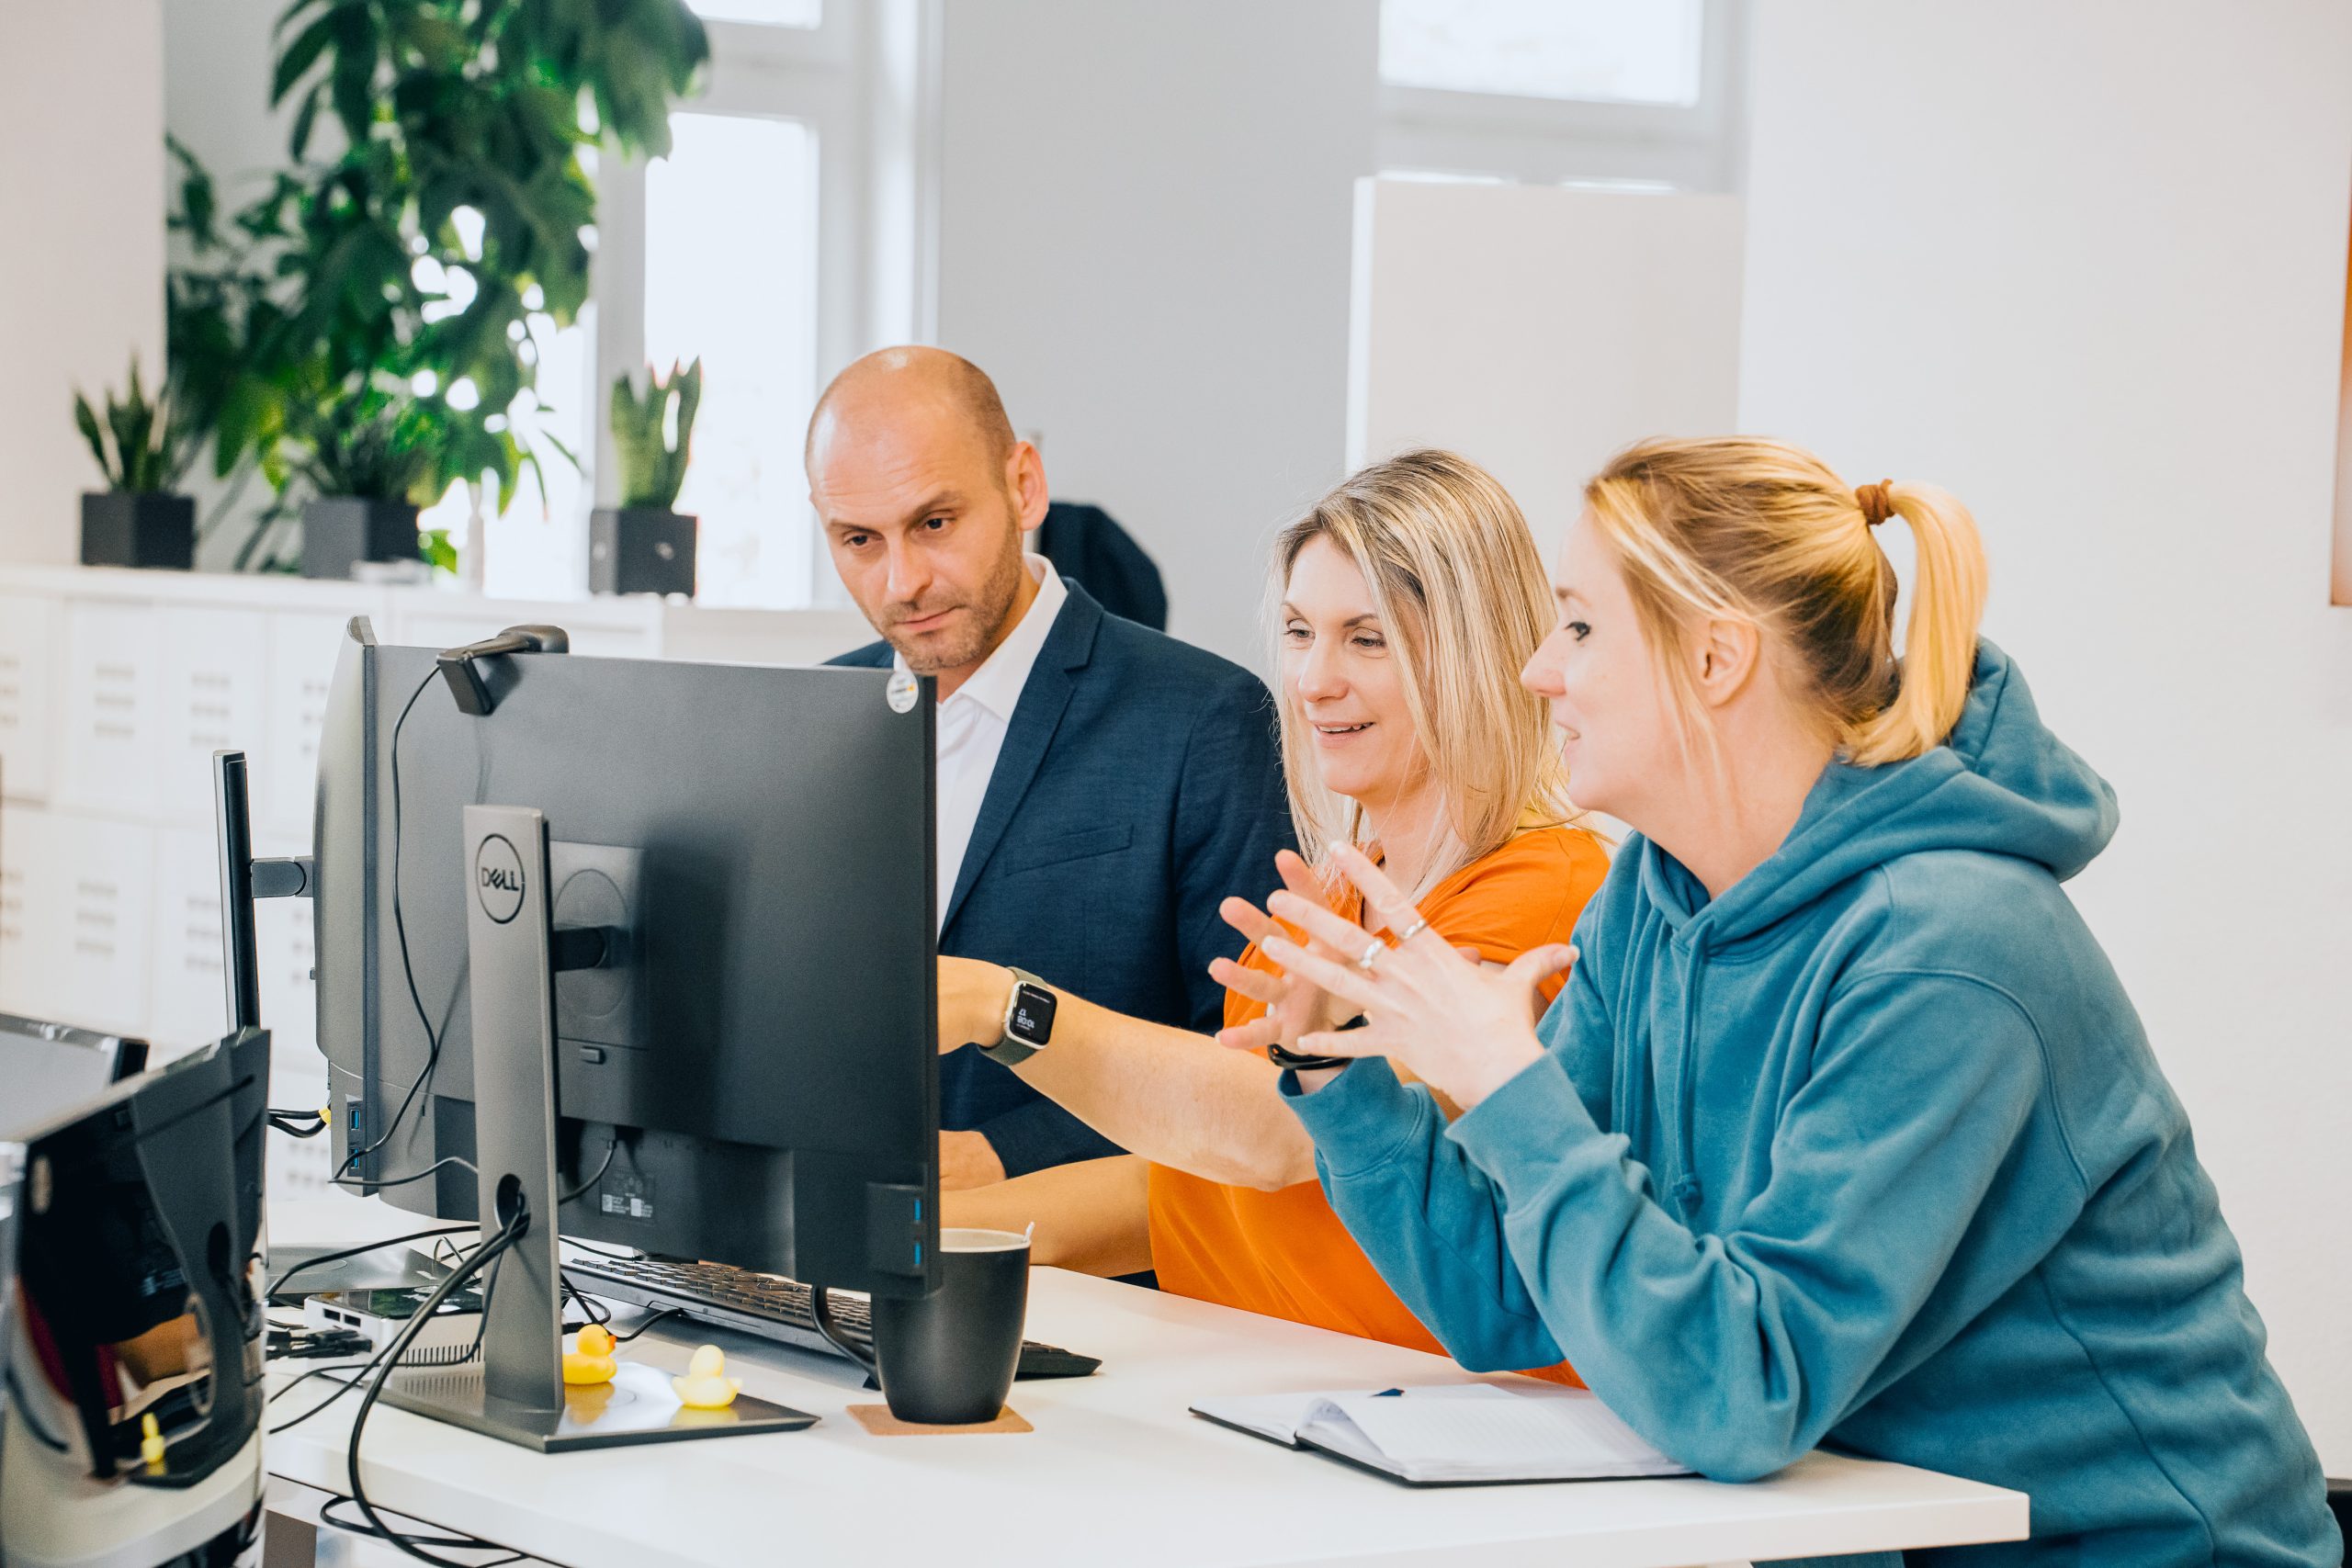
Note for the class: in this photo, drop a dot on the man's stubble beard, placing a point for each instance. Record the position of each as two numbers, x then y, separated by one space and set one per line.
992 607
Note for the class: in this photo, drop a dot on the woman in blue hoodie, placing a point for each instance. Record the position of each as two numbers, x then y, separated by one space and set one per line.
1844 1131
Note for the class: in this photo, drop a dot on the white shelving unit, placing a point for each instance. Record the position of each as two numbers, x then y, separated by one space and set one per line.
116 688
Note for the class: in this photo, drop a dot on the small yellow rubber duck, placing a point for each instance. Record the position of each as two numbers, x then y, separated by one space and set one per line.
706 1385
151 1444
591 1361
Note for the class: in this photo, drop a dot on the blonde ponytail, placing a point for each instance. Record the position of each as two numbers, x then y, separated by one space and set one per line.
1939 650
1765 532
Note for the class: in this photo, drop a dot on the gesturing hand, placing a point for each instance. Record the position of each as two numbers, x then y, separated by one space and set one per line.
1462 1029
1294 1007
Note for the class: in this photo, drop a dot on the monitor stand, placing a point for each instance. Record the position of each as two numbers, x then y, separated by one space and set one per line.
516 1390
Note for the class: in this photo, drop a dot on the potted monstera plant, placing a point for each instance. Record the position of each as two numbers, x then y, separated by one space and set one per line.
643 546
136 521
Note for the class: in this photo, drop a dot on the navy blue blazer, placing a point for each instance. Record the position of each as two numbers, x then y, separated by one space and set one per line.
1140 783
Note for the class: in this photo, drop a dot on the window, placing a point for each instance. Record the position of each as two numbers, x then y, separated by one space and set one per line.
2340 584
771 244
1625 92
1604 50
730 276
765 13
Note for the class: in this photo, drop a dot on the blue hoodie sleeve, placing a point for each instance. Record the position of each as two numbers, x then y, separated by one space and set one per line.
1388 1168
1524 1232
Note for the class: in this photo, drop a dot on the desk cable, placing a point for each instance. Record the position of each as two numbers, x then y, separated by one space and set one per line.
487 1253
433 1038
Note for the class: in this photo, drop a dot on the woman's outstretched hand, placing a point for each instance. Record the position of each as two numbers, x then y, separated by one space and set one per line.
1463 1029
1293 1007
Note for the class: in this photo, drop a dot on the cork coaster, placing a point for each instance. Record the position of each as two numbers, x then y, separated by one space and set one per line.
877 1419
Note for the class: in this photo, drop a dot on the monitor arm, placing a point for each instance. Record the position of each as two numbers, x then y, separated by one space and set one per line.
243 880
458 665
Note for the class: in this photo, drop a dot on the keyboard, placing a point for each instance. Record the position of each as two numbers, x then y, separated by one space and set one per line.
770 1306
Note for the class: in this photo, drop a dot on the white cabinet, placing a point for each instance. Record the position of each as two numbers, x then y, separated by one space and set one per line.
290 999
615 628
28 697
85 920
212 676
302 649
24 961
189 1004
110 723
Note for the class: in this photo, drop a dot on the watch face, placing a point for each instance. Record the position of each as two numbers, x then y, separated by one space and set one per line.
1033 1014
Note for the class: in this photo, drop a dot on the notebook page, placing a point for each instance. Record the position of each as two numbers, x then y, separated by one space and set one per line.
1277 1416
1564 1432
1274 1417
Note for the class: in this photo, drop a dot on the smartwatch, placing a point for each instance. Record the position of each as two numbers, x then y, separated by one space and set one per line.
1298 1060
1028 1021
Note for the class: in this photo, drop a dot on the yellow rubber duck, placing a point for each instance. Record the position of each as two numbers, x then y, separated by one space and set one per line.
591 1360
706 1385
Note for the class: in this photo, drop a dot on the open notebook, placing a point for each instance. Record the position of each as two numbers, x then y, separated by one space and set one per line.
1454 1435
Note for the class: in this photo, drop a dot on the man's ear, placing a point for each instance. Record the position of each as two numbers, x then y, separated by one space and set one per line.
1726 654
1024 481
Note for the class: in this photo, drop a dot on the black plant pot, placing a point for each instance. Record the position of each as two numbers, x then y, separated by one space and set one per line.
154 529
640 549
339 531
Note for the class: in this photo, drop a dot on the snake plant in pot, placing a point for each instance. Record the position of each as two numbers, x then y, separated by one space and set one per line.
366 458
136 521
643 546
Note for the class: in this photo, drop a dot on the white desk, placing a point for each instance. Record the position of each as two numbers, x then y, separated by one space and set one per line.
1116 1472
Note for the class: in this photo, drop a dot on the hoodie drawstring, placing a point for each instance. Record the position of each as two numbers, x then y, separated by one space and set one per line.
1686 1190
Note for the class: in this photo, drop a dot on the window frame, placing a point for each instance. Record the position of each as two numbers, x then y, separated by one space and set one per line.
1443 133
856 81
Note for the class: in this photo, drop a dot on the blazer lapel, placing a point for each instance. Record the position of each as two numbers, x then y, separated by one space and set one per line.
1030 735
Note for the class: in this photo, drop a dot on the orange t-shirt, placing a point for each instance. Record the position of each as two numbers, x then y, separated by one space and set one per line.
1285 1254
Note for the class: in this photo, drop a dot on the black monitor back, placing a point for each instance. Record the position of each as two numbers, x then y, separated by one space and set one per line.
757 1059
137 1230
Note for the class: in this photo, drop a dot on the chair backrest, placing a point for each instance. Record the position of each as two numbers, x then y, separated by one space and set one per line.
1084 542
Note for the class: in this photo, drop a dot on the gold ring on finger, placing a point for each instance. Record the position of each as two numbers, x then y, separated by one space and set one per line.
1420 924
1371 955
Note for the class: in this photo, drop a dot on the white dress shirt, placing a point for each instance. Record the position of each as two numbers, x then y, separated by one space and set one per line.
973 721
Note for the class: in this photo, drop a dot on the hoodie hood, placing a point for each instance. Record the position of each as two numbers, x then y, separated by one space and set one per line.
2002 784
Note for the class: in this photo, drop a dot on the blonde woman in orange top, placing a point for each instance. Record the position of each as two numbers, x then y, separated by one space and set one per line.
1410 598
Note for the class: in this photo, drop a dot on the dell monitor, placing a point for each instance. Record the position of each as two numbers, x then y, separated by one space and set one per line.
740 1054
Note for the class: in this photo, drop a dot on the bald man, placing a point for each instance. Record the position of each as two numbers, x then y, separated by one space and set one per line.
1101 787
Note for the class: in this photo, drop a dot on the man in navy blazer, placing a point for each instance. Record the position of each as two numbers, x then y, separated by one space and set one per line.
1101 787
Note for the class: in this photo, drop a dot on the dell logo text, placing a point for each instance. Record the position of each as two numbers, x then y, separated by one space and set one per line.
498 878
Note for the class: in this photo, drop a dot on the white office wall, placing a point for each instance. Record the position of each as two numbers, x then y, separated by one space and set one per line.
81 244
2084 266
1144 238
1537 330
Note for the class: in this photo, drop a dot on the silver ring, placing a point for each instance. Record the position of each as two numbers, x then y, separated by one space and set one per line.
1373 950
1409 932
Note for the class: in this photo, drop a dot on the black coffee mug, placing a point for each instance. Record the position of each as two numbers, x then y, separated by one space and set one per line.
947 1359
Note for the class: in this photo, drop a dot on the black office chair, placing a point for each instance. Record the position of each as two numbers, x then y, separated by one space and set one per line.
1084 542
2339 1502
